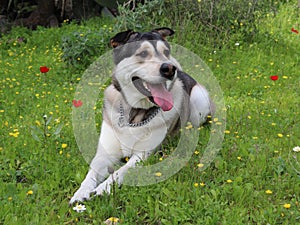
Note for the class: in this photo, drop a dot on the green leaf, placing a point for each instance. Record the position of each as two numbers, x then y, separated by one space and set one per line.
36 129
58 129
35 136
49 120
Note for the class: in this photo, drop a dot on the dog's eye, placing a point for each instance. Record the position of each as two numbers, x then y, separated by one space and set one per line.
143 54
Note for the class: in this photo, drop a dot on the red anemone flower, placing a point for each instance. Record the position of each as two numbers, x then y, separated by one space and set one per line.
44 69
77 103
295 31
275 77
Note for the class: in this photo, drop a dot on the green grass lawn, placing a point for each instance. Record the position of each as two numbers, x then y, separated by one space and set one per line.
255 178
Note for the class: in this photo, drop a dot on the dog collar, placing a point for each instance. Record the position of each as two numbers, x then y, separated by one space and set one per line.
123 123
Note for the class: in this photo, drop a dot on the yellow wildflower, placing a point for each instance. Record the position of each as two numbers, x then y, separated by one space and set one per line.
189 126
114 219
158 174
37 123
200 165
269 192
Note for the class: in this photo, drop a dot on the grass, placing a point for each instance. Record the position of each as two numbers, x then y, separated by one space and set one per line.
255 178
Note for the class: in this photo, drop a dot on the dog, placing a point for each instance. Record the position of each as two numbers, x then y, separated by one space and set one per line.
149 98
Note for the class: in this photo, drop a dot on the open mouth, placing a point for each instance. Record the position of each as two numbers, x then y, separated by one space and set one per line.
156 93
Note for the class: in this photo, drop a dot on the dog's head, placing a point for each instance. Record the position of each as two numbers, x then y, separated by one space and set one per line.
145 70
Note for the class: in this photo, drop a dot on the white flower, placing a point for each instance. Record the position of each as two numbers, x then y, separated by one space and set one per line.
296 149
79 208
237 44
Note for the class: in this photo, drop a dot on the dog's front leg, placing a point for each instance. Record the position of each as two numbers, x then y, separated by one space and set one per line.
118 175
108 154
97 173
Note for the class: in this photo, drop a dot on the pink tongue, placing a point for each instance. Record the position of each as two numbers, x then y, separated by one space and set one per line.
161 96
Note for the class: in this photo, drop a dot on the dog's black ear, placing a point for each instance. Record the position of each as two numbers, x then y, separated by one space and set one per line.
121 38
164 32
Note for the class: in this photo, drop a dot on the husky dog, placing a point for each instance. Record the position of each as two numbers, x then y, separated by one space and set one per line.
149 98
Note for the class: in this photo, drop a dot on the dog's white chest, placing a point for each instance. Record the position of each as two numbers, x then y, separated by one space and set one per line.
141 138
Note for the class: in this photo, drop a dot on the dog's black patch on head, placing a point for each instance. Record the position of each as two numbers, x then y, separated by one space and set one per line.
126 43
121 38
130 36
125 51
148 36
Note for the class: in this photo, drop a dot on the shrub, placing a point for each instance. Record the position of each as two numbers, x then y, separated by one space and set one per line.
138 17
82 44
81 47
218 21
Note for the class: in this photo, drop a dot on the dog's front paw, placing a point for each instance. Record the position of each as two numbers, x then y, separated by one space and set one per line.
102 188
82 194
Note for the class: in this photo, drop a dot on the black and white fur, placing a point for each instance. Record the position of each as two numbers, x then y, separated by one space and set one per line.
150 97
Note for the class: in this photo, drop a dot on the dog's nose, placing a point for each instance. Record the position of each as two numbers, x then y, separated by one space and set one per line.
167 70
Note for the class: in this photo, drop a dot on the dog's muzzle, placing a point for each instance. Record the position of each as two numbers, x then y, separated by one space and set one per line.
167 71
